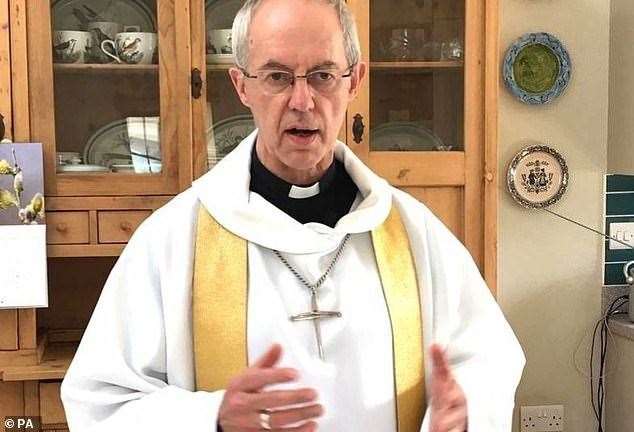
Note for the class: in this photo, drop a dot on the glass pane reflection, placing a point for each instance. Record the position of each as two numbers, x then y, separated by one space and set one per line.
417 75
106 81
228 121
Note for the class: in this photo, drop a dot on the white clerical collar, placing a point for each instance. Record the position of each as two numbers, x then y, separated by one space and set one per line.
300 192
225 192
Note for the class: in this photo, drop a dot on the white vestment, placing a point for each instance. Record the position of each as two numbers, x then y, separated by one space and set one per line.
134 370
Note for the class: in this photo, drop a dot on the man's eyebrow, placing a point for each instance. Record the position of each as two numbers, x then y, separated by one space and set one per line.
272 64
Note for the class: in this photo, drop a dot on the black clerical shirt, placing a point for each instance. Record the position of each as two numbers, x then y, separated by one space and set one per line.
336 194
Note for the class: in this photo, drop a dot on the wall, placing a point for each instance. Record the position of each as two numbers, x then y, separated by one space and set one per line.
550 271
621 122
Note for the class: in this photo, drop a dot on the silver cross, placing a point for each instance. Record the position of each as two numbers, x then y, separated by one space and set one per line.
316 316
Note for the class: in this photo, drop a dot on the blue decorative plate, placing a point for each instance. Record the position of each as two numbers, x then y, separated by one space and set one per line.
537 68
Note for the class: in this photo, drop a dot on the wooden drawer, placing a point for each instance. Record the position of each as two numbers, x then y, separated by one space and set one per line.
70 227
51 408
118 226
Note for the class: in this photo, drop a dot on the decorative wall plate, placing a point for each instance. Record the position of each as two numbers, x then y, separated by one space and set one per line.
537 177
537 68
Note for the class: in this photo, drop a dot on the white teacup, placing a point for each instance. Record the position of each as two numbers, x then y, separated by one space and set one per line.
132 47
71 46
219 41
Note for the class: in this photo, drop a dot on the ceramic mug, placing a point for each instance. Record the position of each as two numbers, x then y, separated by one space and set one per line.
101 31
219 41
71 46
132 47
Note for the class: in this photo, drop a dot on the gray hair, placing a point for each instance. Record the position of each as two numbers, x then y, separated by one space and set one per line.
242 22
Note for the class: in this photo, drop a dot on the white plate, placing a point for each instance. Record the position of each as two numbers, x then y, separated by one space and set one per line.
122 167
220 58
126 12
226 134
219 14
81 168
111 142
403 136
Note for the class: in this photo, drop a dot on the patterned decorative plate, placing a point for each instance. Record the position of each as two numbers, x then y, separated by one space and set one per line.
225 135
537 177
110 144
537 68
126 12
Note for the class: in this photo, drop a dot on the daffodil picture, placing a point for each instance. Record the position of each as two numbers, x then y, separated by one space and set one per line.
23 279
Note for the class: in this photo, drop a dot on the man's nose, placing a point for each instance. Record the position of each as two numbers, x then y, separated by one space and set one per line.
301 96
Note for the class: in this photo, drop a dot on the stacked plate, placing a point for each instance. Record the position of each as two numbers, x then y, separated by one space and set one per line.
225 135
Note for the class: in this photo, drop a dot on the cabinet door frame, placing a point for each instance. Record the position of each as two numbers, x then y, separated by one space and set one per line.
175 122
6 102
472 170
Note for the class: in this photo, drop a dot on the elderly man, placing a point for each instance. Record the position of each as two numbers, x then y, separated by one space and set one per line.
291 288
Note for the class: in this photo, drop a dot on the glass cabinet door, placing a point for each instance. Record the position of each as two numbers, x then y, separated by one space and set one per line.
112 127
416 75
228 121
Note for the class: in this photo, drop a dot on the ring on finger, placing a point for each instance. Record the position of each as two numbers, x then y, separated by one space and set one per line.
265 419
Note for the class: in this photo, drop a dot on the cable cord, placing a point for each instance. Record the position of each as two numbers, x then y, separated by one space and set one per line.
602 325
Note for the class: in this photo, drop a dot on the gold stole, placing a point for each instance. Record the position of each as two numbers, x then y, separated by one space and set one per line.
219 311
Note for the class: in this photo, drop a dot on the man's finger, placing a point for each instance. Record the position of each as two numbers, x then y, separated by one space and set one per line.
282 398
306 427
440 364
253 379
289 416
270 358
454 419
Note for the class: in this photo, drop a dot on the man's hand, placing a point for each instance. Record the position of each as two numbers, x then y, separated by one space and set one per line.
245 399
448 402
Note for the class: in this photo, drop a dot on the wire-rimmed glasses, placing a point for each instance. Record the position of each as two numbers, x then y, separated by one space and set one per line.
322 81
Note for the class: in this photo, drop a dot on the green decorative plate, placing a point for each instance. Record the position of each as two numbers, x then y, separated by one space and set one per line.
537 68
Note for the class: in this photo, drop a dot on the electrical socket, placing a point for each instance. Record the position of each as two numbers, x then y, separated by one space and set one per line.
542 418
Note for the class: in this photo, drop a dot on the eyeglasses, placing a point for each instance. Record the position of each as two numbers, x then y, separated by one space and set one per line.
322 81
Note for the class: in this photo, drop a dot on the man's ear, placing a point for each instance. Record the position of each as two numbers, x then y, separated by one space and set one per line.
357 79
237 78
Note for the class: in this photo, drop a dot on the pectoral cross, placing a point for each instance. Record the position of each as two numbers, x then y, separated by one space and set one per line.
316 315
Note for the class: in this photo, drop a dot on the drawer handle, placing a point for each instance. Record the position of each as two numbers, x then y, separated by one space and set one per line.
61 227
125 226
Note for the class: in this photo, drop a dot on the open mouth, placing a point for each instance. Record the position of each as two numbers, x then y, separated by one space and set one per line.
302 132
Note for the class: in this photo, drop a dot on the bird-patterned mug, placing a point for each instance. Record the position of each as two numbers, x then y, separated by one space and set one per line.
71 46
132 47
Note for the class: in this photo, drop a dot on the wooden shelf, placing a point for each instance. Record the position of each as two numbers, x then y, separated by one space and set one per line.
109 67
444 64
217 67
54 364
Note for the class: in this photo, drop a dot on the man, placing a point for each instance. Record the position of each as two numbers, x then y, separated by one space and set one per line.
323 305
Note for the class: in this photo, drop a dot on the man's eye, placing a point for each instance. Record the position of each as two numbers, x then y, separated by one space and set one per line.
278 76
323 76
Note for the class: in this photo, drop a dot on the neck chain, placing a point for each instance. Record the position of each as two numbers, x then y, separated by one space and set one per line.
315 314
321 280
